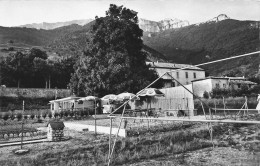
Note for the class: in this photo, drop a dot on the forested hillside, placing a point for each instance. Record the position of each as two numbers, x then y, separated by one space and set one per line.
209 41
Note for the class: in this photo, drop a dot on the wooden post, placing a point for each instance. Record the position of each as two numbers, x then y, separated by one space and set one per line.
95 119
110 135
215 107
112 150
203 110
22 127
224 107
246 107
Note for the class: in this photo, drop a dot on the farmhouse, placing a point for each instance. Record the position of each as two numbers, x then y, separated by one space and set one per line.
184 76
208 84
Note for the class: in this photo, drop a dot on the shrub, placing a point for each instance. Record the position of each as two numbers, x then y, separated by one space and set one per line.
61 114
66 113
32 116
71 113
206 95
56 114
44 115
6 116
12 117
19 116
50 115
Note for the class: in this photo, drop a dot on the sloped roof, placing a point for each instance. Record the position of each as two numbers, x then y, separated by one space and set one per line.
173 66
65 99
243 82
56 125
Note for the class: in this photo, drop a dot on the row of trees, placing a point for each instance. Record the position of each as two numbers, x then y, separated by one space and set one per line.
34 70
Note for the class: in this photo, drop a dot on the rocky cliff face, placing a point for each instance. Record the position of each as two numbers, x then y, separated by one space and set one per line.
153 26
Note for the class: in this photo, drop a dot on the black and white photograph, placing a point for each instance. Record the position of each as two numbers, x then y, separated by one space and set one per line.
129 82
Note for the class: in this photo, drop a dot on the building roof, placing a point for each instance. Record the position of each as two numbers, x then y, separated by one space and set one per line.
231 79
244 82
56 125
65 99
173 66
225 78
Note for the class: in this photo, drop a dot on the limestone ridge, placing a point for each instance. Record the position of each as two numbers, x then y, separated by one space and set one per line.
48 26
219 18
153 26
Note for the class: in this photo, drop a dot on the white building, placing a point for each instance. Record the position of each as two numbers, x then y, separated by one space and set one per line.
184 76
208 84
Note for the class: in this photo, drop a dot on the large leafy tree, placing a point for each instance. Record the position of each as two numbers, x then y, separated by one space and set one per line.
113 61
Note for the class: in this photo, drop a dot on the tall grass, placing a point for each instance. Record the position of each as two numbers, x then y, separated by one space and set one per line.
231 102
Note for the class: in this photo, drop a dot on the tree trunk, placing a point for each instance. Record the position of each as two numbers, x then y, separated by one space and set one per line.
46 84
19 80
49 82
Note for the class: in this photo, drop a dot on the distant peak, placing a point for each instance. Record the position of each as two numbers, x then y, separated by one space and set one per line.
220 17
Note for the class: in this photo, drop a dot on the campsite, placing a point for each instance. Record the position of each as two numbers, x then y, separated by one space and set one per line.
149 82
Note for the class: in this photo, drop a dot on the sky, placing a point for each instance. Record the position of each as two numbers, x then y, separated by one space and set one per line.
19 12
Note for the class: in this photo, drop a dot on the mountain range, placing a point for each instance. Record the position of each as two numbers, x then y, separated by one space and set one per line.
174 39
211 40
48 26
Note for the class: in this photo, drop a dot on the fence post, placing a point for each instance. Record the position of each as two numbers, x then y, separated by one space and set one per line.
22 127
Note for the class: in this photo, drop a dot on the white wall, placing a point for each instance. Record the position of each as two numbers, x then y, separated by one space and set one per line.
175 98
182 75
199 87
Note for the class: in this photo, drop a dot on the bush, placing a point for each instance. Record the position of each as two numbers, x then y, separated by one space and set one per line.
6 116
19 116
206 95
56 114
61 114
66 114
32 116
12 117
50 115
71 113
44 115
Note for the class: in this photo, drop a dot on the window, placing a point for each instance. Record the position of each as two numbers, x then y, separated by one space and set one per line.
177 74
186 73
217 85
238 85
173 84
194 75
224 85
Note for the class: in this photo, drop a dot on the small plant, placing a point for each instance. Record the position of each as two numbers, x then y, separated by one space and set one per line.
19 116
61 114
6 116
32 116
12 117
206 94
71 114
56 114
50 115
66 114
44 115
25 116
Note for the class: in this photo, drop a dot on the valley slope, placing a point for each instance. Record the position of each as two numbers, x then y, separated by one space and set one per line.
209 41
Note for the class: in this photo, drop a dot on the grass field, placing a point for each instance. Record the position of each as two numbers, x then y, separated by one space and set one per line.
162 144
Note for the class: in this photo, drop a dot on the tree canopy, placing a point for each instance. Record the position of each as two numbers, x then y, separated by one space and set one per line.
33 69
113 61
